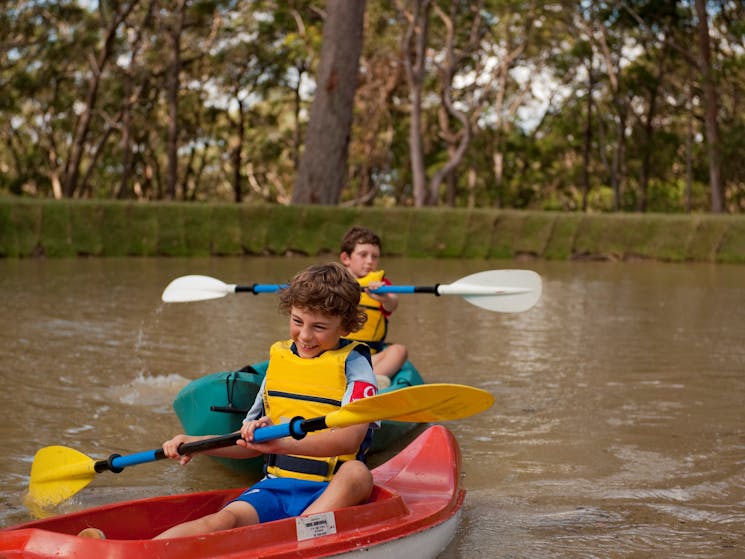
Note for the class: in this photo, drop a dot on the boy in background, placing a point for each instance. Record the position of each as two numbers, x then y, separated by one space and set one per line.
360 254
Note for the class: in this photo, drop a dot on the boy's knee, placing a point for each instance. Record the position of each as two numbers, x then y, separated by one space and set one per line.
358 476
224 520
399 350
355 470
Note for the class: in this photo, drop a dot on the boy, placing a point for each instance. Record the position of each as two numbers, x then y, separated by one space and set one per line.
310 375
360 254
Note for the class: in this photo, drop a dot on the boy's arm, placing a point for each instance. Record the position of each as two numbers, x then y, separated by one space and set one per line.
331 442
170 448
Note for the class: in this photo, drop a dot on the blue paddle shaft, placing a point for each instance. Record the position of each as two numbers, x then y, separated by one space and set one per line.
294 428
257 288
267 288
119 462
405 289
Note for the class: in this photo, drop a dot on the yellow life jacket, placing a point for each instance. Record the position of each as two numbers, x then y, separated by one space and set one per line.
376 326
306 388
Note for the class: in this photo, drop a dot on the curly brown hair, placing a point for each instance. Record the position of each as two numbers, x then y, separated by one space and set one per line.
357 235
328 289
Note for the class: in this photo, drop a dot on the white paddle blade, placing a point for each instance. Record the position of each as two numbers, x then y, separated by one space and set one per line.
195 288
498 290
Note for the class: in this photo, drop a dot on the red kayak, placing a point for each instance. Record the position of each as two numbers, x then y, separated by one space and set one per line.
413 511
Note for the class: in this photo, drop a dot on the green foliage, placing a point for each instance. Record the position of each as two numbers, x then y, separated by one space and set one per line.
55 234
479 226
80 228
437 233
86 223
171 231
20 228
560 245
225 230
732 244
247 80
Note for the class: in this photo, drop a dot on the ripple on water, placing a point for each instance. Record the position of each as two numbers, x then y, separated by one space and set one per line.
526 528
154 391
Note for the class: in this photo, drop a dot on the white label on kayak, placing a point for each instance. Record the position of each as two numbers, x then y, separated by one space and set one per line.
315 525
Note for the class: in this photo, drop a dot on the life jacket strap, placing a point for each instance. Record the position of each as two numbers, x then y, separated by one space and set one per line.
301 465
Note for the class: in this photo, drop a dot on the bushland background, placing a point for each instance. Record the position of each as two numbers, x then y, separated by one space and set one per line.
603 106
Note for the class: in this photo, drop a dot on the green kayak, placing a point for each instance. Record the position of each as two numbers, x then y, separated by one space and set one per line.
217 403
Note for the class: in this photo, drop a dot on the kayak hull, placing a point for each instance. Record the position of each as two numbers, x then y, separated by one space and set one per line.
217 403
414 510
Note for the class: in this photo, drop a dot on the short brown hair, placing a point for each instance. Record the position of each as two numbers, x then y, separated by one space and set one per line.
359 235
328 289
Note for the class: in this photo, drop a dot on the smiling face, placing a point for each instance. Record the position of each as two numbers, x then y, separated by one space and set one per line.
314 333
362 260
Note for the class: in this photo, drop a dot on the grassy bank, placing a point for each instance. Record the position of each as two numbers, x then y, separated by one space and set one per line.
31 228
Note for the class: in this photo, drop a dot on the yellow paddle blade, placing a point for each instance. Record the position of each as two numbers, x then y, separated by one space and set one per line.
57 473
417 404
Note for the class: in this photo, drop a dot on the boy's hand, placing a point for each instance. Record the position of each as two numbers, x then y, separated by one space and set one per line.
248 428
284 445
170 448
388 300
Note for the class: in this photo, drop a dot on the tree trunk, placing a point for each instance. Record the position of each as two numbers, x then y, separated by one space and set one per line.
172 97
132 91
323 166
711 109
236 154
416 151
588 140
297 107
497 158
72 167
417 29
618 176
689 146
457 142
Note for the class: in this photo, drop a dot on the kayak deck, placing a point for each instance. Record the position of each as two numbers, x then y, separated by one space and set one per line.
417 497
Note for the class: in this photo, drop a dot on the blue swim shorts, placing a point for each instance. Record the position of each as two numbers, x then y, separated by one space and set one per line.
277 498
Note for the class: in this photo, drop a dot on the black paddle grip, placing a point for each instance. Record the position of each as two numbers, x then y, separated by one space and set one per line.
313 424
107 465
208 444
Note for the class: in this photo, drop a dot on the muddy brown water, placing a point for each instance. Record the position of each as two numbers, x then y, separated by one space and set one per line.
618 428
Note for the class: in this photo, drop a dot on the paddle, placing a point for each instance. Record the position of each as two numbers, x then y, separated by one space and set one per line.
58 472
494 290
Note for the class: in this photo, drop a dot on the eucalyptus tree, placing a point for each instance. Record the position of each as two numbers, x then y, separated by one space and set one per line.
376 159
189 29
25 75
602 25
134 77
461 41
711 105
474 66
729 24
515 90
323 165
415 19
109 18
260 69
695 17
60 55
440 44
